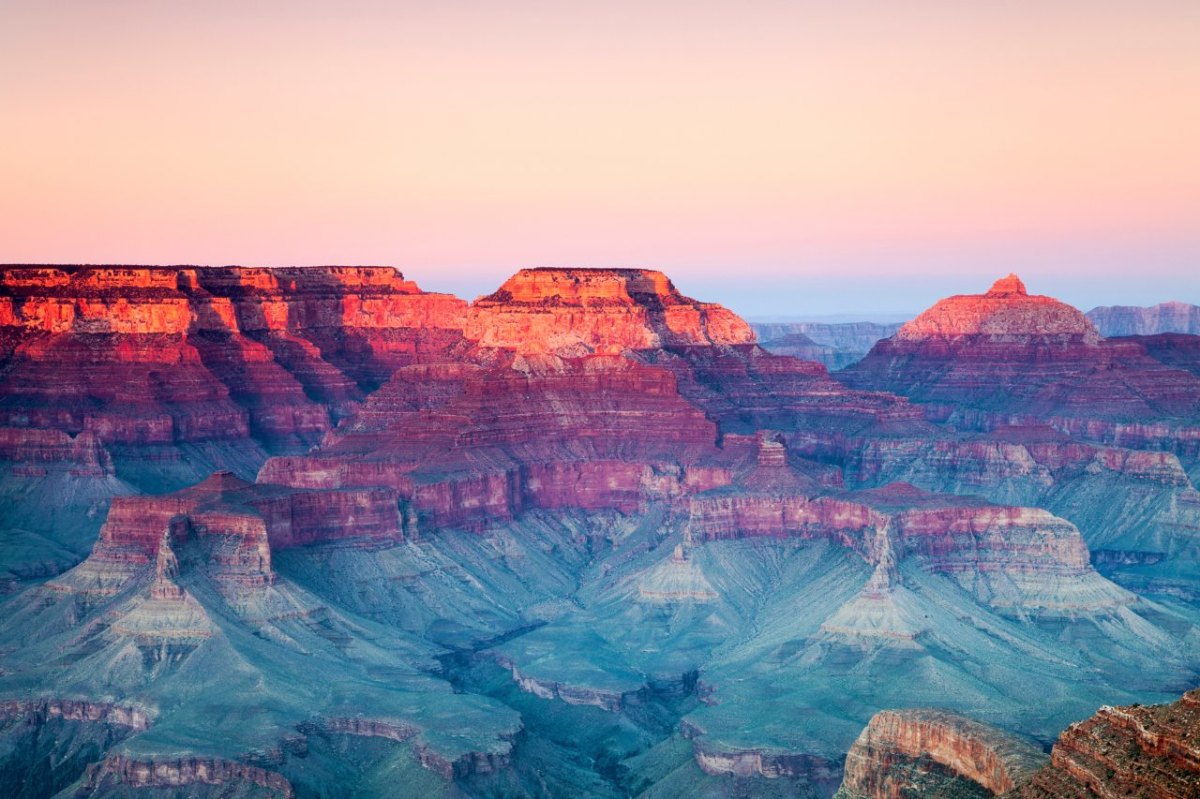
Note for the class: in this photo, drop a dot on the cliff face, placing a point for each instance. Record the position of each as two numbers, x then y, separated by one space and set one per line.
579 311
1010 558
119 773
484 444
259 518
1131 320
162 356
1141 751
915 752
650 494
1145 751
1173 349
1005 357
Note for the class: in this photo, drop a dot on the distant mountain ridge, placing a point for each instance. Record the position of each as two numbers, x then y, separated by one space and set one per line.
1133 320
835 344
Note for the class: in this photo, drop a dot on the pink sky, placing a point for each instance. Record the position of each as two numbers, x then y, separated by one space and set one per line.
826 157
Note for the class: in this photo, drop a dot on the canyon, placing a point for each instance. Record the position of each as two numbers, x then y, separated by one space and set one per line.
287 532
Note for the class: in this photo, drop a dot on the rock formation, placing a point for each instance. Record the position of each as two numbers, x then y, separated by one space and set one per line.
923 752
1136 751
580 311
1142 751
1007 357
156 355
582 536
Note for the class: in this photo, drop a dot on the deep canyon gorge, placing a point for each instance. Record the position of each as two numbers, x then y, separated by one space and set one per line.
317 532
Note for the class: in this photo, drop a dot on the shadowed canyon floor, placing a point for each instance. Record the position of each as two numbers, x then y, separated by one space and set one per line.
314 531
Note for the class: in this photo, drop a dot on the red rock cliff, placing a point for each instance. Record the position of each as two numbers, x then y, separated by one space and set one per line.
576 311
903 751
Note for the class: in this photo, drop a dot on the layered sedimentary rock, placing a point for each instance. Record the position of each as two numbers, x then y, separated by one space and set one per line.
1009 557
249 522
544 410
921 752
116 379
1150 751
596 432
580 388
118 773
579 311
1132 320
1144 751
675 532
1174 349
160 356
1007 357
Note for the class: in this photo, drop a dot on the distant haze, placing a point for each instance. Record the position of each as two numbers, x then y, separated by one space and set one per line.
785 159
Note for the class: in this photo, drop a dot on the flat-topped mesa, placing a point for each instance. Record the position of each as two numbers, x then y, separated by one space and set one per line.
1006 313
273 355
172 299
579 311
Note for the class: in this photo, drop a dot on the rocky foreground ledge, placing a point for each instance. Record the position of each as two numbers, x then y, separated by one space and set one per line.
1149 751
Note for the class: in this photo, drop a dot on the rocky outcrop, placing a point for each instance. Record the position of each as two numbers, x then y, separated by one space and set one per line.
1148 751
1132 320
1142 751
229 528
579 311
915 752
1005 313
41 710
1008 358
468 764
817 772
120 773
611 701
170 355
32 451
1010 557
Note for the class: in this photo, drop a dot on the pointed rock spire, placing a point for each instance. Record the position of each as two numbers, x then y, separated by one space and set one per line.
166 567
1009 285
886 575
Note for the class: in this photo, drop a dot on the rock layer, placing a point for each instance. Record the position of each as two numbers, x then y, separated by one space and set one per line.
1142 751
886 762
577 311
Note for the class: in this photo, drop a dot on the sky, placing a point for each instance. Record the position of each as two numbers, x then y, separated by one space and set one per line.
785 159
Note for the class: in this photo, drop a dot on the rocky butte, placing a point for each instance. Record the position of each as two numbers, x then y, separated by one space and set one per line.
314 531
982 361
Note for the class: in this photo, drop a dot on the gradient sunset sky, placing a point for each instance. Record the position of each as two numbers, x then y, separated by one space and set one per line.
785 159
